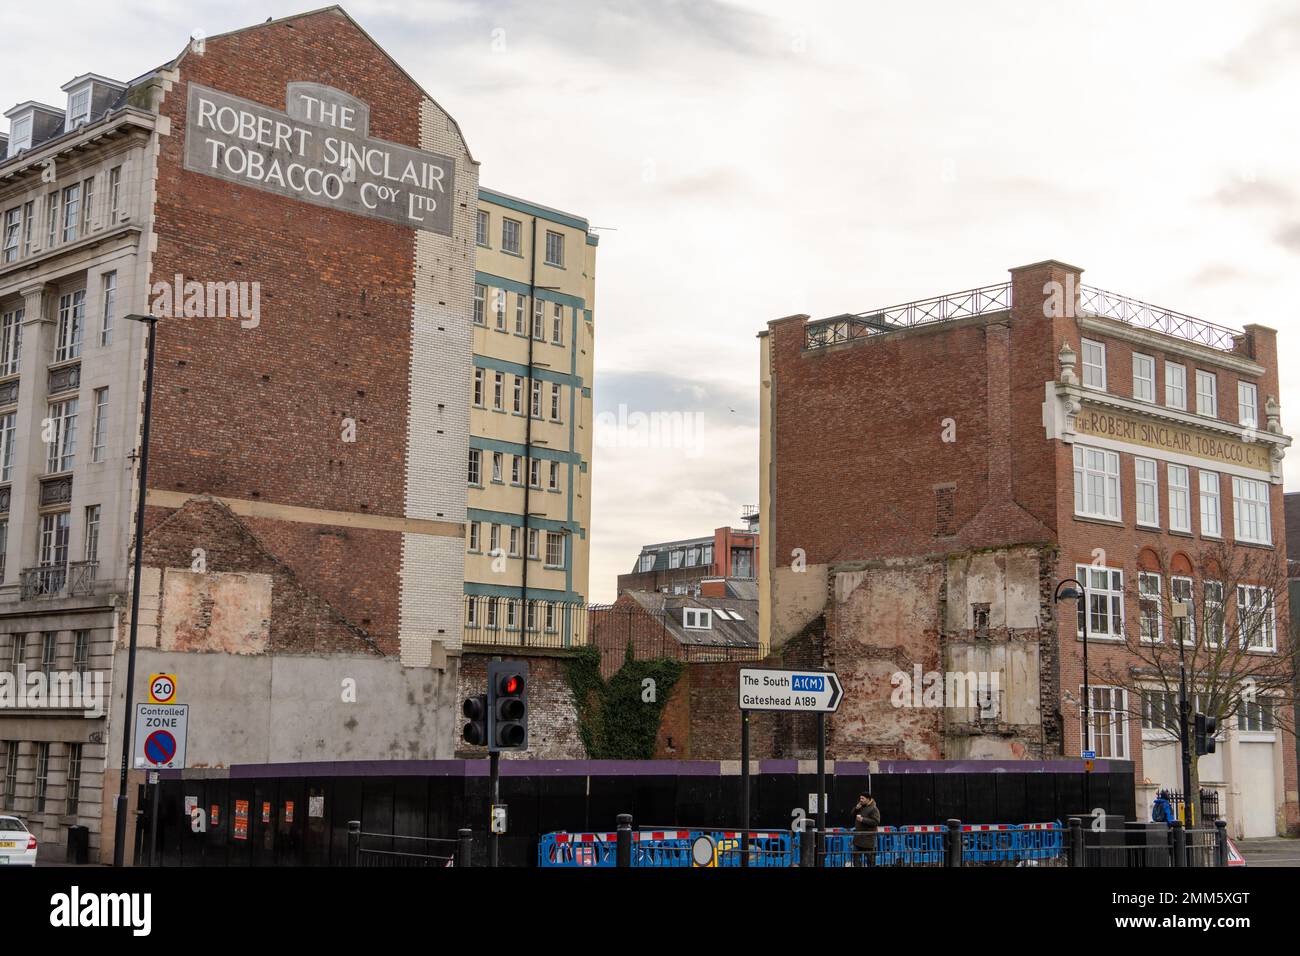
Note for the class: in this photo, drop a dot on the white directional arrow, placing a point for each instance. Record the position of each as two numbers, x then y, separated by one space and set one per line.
809 691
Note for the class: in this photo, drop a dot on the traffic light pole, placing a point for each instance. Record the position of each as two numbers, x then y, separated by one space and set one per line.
494 788
1184 719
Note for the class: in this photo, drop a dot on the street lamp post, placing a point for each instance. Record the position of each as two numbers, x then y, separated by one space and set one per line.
1178 609
119 839
1080 593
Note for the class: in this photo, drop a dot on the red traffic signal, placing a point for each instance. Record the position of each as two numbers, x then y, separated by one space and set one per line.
507 705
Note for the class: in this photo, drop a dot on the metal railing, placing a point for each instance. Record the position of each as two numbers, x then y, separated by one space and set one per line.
1147 846
1094 301
392 850
942 308
75 580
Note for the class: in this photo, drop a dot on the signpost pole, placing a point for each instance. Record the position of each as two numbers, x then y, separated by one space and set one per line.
821 787
744 788
154 856
494 770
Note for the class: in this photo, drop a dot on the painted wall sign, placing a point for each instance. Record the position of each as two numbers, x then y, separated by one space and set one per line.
1172 438
319 151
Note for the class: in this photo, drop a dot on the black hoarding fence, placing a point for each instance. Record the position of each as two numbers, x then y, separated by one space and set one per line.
299 815
617 629
394 850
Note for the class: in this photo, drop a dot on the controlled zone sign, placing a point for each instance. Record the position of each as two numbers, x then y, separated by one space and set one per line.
807 691
160 732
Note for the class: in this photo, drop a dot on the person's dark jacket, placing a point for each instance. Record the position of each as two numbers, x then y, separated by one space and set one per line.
864 837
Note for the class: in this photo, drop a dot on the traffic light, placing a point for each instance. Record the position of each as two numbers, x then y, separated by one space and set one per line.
507 709
1205 729
476 709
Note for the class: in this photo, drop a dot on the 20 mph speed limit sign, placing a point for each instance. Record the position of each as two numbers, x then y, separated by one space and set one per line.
162 688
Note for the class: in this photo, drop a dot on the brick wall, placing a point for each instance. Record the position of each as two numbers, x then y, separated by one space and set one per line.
552 715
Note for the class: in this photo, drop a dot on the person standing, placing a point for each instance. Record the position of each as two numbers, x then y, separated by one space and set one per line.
866 821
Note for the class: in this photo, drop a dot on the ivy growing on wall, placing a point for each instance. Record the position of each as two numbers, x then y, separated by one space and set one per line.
615 720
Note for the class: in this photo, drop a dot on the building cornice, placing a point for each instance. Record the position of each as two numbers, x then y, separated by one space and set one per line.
31 162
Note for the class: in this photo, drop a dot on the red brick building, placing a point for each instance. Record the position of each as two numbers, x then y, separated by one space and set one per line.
988 445
678 566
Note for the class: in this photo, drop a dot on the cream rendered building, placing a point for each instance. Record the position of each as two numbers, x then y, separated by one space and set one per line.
529 513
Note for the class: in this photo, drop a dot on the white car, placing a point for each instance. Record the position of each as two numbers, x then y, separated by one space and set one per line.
17 845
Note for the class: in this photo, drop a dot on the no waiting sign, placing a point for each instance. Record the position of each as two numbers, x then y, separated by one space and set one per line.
160 731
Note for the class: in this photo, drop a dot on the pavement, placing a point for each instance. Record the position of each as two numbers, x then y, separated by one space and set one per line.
1270 851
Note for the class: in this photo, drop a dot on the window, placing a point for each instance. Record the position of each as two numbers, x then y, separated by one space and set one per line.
512 615
499 309
481 228
17 652
109 311
516 470
514 541
1096 483
553 482
1181 592
474 536
7 426
54 543
521 321
499 391
1256 716
1149 607
1255 617
674 559
1207 397
494 540
535 399
1108 715
72 318
1250 511
62 431
480 298
1105 605
72 788
498 466
114 194
1211 514
42 775
550 617
1148 492
554 248
554 550
1247 404
11 341
11 775
81 651
532 543
535 472
1094 365
555 402
52 217
92 533
49 651
471 612
478 387
71 211
29 217
1175 385
4 545
539 319
87 204
20 134
510 236
99 428
518 397
78 106
475 467
1215 618
647 562
557 325
13 223
697 618
1144 378
530 616
492 613
1180 514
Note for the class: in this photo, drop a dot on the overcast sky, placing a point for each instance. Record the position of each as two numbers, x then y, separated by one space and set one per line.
750 162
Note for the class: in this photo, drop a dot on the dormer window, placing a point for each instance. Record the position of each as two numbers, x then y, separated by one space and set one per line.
78 107
697 618
20 135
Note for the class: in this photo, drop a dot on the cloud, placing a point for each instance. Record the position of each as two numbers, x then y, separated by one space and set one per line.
1270 49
